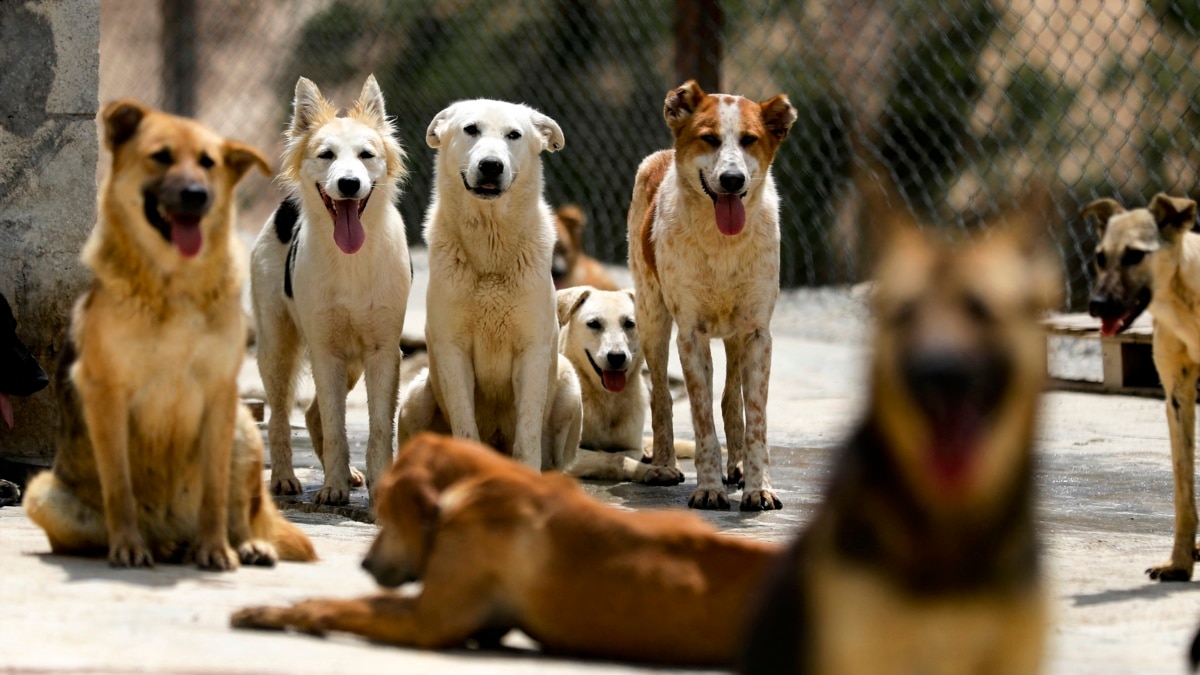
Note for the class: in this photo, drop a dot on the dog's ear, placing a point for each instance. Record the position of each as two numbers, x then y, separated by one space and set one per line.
632 295
433 135
552 136
681 103
1173 214
572 218
569 300
369 106
778 116
308 107
1102 210
121 120
240 158
1025 221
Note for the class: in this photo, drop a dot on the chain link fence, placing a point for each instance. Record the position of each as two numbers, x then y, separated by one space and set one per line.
962 101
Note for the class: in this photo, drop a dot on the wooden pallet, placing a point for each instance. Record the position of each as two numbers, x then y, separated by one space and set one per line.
1128 358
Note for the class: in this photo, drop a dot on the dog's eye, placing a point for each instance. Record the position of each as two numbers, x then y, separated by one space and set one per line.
162 156
711 140
471 130
513 135
328 154
595 324
366 154
1101 260
629 324
206 161
748 140
977 309
1132 256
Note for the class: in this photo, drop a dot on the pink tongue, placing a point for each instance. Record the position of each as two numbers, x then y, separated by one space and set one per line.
614 380
1108 327
731 215
347 227
186 235
6 410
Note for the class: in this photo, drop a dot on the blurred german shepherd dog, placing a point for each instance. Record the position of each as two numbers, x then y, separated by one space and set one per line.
923 557
157 458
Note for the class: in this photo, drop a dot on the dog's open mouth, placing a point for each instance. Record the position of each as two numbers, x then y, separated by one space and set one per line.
182 230
728 208
484 190
1114 325
348 230
612 380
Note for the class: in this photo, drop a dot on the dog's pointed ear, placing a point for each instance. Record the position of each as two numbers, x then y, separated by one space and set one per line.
308 106
632 295
1101 210
886 217
1173 214
552 136
437 127
681 103
369 106
569 300
778 115
121 120
1026 222
240 158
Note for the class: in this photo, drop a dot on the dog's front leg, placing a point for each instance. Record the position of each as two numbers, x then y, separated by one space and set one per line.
756 376
654 327
216 452
329 376
1178 374
733 413
531 391
383 387
456 383
695 356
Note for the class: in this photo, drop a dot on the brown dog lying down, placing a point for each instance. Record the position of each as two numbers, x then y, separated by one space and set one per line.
500 546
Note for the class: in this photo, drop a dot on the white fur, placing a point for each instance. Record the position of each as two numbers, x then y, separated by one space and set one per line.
348 309
491 326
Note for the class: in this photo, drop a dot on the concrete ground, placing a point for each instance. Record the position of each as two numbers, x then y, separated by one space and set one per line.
1105 515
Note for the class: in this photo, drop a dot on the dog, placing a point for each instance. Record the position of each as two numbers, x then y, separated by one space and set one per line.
21 375
923 556
499 546
157 459
331 273
494 370
1147 260
704 251
570 266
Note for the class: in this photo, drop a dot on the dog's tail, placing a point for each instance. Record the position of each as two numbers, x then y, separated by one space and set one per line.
289 540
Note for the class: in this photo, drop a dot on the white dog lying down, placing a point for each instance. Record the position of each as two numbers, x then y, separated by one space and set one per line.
494 371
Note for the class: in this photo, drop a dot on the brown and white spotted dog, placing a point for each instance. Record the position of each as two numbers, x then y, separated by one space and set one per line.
704 250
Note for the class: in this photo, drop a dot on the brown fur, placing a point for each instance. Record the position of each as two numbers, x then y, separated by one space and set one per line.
571 266
1148 259
499 546
923 556
157 459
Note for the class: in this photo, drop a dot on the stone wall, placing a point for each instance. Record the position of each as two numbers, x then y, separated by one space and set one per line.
49 79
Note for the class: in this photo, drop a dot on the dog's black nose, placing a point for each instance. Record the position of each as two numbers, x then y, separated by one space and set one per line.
732 182
942 375
616 359
193 198
490 167
1101 305
348 186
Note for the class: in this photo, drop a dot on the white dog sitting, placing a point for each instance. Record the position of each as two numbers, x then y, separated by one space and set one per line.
491 325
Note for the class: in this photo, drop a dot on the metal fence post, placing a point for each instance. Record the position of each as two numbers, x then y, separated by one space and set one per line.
698 49
180 74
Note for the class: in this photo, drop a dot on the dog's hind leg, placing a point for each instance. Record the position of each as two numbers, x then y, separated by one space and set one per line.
383 386
72 526
331 375
560 440
732 412
246 494
1178 374
316 433
278 364
654 328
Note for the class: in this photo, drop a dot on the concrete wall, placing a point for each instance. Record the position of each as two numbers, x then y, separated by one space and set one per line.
49 79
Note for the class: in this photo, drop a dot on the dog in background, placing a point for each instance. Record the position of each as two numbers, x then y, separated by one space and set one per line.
157 458
570 266
923 557
20 375
704 251
499 546
1148 259
331 273
494 369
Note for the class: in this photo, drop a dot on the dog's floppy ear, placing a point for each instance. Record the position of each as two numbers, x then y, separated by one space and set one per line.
569 300
121 120
308 107
778 116
369 106
552 136
1102 210
433 135
240 158
1173 214
681 103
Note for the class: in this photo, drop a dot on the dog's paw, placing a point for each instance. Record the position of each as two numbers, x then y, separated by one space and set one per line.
356 478
310 617
663 475
1169 572
760 500
216 557
734 476
332 496
285 485
259 618
709 500
129 552
257 552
